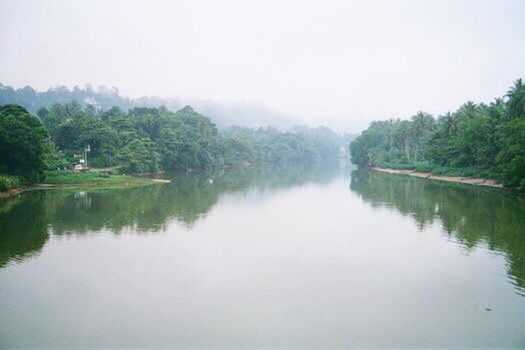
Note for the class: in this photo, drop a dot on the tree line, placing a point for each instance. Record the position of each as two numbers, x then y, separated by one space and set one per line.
486 140
144 140
223 115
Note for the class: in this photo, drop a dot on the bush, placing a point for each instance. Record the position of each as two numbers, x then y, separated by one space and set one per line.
115 171
462 171
423 167
8 182
487 174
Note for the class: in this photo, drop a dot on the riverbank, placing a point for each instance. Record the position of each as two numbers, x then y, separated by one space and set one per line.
12 192
90 181
456 179
99 180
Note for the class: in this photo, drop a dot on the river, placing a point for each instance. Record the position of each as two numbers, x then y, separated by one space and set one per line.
265 257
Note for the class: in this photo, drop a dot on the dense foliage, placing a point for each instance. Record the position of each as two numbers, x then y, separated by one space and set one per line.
145 140
103 98
475 140
301 145
149 139
22 143
8 182
223 115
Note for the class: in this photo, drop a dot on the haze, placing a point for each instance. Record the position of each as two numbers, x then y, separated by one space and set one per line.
339 63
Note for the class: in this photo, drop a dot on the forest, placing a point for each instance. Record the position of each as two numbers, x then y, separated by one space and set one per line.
145 140
484 140
247 114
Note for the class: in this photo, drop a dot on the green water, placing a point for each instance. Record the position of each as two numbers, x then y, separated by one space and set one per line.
295 257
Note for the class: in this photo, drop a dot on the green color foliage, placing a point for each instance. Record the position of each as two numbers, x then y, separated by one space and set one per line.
511 158
139 156
150 139
54 159
8 182
475 140
268 145
96 180
22 143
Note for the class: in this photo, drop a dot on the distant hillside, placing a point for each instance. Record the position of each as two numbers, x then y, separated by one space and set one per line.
223 115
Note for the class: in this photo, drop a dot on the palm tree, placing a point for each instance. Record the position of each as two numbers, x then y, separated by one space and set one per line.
449 124
516 103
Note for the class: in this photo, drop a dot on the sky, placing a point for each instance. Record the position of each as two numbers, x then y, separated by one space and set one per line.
340 63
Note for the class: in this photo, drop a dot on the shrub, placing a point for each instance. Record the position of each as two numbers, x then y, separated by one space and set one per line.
423 167
8 182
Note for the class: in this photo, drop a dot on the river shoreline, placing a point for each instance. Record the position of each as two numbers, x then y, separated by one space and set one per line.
131 182
456 179
12 192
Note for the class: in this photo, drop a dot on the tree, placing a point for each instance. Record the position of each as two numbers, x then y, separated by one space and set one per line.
139 156
54 159
516 103
511 159
22 139
477 139
145 138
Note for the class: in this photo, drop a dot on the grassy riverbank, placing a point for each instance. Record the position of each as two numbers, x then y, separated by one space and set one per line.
98 180
427 175
87 181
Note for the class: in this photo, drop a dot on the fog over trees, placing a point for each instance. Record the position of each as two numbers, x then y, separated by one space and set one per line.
146 139
222 114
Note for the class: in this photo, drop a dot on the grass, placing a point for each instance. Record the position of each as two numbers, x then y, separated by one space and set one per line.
95 180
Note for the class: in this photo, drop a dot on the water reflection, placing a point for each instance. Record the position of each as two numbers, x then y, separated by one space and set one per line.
23 229
470 215
26 221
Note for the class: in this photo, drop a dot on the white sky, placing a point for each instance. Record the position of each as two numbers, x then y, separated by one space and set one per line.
337 62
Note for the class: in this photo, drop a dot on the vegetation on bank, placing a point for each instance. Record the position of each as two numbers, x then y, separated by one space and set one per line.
8 182
428 167
479 140
22 143
145 140
150 139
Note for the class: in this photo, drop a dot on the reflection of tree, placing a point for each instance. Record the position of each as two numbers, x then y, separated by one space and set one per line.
23 230
24 220
473 215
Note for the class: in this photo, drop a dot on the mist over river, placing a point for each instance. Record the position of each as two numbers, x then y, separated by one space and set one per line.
265 257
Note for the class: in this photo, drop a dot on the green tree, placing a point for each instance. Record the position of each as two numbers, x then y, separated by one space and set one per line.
511 159
139 156
54 159
22 140
476 139
516 103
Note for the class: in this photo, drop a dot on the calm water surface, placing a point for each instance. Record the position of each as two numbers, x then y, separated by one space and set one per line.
265 258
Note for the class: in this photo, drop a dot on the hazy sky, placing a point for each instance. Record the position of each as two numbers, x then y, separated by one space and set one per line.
340 62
